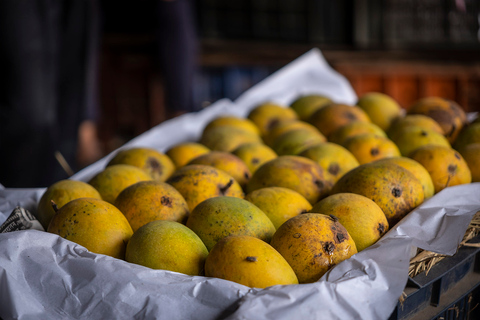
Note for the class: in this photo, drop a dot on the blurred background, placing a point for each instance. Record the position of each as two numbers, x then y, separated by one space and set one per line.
139 63
405 48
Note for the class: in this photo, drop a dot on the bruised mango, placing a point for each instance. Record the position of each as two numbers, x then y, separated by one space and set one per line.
227 162
297 173
95 224
268 114
219 217
333 158
445 165
279 204
313 243
369 147
335 115
157 164
148 201
197 182
393 188
254 154
449 115
418 171
364 219
248 261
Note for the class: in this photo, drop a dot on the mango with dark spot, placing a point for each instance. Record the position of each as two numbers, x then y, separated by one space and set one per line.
363 218
248 261
197 182
148 201
313 243
254 154
368 147
393 188
95 224
449 115
219 217
300 174
333 158
410 138
333 116
62 192
268 114
445 165
157 164
227 162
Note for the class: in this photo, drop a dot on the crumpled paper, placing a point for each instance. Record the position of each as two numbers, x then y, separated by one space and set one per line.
43 276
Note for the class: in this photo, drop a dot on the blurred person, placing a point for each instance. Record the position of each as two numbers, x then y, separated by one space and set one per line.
177 49
47 86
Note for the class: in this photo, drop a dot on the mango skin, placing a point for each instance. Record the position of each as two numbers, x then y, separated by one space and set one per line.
157 164
227 162
410 138
393 188
469 135
227 138
313 243
268 114
95 224
62 192
342 134
197 182
369 147
219 217
233 121
333 158
114 178
333 116
471 155
295 141
417 120
364 219
147 201
381 108
300 174
182 153
286 126
254 154
279 204
449 115
306 105
418 171
167 245
445 165
248 261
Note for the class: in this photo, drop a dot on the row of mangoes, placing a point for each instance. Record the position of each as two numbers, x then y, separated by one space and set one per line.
296 189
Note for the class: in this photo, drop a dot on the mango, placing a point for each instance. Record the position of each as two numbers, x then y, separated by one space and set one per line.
167 245
254 154
157 164
147 201
95 224
182 153
364 219
248 261
62 192
219 217
227 138
197 182
306 105
342 134
266 115
295 141
369 147
279 204
410 138
380 108
313 243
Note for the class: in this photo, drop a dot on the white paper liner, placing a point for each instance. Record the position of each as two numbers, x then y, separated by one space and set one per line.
43 276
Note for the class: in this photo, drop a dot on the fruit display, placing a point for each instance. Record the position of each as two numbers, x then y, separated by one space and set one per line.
277 213
276 197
